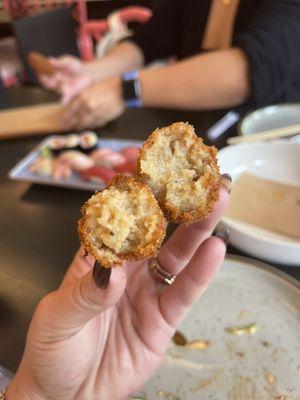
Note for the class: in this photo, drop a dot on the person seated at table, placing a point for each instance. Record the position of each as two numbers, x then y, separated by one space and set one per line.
257 62
92 339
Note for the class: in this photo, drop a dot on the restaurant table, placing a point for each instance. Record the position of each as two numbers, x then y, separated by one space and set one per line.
38 223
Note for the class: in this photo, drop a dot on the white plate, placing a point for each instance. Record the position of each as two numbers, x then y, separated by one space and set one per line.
272 117
262 366
278 161
21 172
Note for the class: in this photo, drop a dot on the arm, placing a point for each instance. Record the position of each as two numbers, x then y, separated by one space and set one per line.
154 40
122 58
72 75
212 80
271 42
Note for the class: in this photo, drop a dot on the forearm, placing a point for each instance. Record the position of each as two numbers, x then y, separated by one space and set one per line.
212 80
124 57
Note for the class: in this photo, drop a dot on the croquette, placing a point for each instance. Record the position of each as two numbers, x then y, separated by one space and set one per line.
181 171
122 222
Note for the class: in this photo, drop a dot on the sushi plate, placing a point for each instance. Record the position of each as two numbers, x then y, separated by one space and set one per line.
21 172
249 319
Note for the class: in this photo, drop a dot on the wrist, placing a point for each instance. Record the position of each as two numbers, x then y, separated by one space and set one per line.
94 71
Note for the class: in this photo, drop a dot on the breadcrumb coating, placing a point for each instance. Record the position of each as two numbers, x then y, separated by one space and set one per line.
123 222
181 171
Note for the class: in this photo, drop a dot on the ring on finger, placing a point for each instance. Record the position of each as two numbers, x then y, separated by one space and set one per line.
160 273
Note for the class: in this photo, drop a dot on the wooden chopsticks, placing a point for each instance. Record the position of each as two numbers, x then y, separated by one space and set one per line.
266 135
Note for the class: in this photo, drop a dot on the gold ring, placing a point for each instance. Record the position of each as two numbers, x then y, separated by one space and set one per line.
160 273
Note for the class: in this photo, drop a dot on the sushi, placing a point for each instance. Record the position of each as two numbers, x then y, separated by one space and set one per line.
56 145
76 160
88 141
72 142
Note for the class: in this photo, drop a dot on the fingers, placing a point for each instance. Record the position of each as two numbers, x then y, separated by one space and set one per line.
69 308
66 64
79 266
179 249
48 82
72 88
56 82
177 299
81 114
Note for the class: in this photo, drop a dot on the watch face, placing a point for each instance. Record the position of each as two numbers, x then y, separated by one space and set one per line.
131 92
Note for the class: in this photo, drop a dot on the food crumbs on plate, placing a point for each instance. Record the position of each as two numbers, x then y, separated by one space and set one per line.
242 330
243 314
179 339
298 368
265 343
138 398
167 395
198 344
270 378
204 383
280 398
240 354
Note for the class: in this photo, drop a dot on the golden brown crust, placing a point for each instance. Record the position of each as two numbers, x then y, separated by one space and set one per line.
144 247
210 179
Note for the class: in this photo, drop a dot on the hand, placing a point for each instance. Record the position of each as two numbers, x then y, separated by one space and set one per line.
95 106
89 343
70 78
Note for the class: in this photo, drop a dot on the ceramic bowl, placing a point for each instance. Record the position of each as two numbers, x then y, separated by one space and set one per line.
279 161
272 117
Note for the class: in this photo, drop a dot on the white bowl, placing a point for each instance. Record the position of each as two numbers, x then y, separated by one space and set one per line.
278 161
272 117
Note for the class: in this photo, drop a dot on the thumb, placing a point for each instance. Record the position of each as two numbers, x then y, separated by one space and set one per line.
69 308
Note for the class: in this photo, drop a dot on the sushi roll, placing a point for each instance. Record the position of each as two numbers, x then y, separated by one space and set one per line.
88 141
56 145
76 160
72 142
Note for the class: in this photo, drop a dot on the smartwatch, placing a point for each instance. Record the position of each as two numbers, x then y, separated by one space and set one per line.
131 89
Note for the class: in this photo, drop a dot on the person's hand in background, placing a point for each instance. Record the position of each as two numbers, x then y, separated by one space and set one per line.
86 342
73 75
70 78
95 106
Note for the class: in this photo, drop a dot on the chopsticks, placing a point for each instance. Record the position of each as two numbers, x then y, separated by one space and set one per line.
266 135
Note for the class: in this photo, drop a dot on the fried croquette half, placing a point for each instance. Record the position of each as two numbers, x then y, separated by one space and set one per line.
181 171
123 222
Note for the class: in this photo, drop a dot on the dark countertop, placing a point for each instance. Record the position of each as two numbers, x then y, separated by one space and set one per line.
38 223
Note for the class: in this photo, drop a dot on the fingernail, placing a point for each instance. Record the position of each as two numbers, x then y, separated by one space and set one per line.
223 234
226 182
101 275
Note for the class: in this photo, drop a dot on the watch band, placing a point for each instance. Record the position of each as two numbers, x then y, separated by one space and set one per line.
131 89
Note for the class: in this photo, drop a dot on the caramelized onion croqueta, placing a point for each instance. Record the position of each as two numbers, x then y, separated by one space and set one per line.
123 222
181 171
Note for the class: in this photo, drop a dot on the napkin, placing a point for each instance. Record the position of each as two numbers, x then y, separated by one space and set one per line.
267 204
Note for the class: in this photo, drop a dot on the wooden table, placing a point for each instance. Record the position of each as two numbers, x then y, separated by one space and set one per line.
38 223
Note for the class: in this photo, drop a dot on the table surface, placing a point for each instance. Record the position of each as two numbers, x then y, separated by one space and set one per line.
38 223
